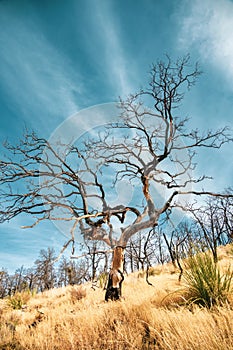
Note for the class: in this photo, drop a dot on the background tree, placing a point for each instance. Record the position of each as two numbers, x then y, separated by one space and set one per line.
65 272
95 257
71 272
30 279
146 147
19 281
45 274
179 244
4 283
45 269
140 251
214 222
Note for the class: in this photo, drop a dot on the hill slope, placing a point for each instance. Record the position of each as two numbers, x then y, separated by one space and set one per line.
149 317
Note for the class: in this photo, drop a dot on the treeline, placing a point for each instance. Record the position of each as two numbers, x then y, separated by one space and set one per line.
206 228
44 274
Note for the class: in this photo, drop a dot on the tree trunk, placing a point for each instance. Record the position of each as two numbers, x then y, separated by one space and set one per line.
116 277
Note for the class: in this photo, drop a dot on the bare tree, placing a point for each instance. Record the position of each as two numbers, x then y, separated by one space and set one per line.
162 255
30 279
214 222
179 244
71 272
225 208
19 279
4 283
45 269
65 272
146 147
140 251
95 255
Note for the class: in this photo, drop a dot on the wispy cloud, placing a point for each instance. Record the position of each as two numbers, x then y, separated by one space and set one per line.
206 31
207 26
116 63
35 76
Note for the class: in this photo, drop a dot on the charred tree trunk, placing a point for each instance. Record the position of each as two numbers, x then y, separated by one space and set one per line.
114 293
116 277
171 249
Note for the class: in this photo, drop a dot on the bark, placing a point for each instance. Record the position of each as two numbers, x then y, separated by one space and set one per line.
116 277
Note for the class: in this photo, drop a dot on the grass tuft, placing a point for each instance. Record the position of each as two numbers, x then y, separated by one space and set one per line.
77 294
19 299
207 286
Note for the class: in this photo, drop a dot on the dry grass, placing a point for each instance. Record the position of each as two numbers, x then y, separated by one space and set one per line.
148 318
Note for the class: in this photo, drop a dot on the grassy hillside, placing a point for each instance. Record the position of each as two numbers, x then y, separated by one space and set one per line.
149 317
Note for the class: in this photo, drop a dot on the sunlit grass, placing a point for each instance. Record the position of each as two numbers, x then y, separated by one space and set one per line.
149 317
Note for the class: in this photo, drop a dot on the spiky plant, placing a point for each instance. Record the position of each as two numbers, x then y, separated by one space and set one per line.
206 285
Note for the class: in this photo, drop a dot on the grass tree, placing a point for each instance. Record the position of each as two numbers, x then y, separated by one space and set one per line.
206 284
150 146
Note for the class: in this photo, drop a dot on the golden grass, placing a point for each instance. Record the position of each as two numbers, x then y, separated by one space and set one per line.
148 318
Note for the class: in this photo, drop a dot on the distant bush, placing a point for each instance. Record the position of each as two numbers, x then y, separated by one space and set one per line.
77 294
152 271
206 285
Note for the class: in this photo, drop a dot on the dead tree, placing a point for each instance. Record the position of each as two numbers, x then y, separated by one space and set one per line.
137 251
45 270
71 183
214 221
116 277
178 245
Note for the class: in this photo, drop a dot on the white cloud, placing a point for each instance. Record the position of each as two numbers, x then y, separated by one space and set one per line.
115 61
207 26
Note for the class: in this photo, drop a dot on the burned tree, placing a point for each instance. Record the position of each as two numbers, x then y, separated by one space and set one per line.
116 277
179 245
214 222
73 182
140 250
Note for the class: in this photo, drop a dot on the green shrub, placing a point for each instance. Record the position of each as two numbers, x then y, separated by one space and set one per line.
206 285
19 299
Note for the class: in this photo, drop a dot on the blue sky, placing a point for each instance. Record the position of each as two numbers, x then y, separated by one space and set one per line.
59 57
